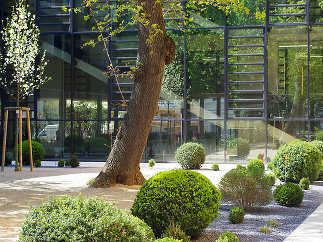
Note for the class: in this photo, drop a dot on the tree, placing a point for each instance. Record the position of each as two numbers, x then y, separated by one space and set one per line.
155 50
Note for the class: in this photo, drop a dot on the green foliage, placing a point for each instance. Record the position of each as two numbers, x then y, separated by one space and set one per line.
319 145
265 229
152 163
61 163
190 155
215 167
320 178
167 240
259 156
319 136
246 188
97 145
296 160
304 183
256 163
82 219
240 145
174 231
7 161
74 162
271 179
186 198
288 194
227 237
272 223
236 215
37 163
78 142
67 163
37 150
270 166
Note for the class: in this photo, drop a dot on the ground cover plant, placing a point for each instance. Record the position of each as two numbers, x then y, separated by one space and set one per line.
245 187
227 237
186 198
82 219
190 155
296 160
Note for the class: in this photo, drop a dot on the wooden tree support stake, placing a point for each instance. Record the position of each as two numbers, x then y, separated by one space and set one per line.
18 111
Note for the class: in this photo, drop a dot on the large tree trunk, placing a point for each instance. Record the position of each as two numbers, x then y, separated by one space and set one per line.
122 165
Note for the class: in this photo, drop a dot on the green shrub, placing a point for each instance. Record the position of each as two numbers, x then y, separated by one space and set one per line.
304 183
82 219
7 161
320 178
151 163
190 155
37 163
270 166
236 215
167 240
240 145
271 179
97 145
37 148
245 187
78 142
288 194
61 163
227 237
259 157
319 136
318 144
303 139
67 163
256 163
184 197
74 162
174 231
296 160
215 167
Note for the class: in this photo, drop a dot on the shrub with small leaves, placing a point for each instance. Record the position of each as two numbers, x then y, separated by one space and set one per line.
270 166
82 219
151 163
246 188
296 160
167 240
256 163
215 167
37 163
37 150
186 198
190 155
74 161
240 146
319 145
67 163
288 194
319 136
61 163
174 231
271 179
236 215
304 183
227 237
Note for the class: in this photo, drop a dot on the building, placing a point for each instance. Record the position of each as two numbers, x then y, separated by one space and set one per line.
234 76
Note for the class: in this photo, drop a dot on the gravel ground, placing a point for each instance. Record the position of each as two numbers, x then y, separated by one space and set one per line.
287 218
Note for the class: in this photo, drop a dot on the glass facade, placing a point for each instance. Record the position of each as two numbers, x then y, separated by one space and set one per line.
233 77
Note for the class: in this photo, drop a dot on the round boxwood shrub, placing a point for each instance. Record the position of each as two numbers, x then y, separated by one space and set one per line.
236 215
304 183
227 237
82 219
318 144
319 136
61 163
288 194
215 167
246 188
190 155
74 162
296 160
240 145
256 163
37 163
38 151
186 198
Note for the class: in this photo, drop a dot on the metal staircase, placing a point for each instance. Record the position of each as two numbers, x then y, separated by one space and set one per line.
245 61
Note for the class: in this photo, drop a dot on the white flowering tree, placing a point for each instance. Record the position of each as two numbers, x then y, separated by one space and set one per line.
22 53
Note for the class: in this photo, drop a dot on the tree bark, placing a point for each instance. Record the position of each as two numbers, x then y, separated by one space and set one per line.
122 165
